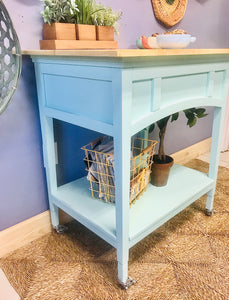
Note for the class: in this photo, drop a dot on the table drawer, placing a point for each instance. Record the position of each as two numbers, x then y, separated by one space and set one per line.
82 96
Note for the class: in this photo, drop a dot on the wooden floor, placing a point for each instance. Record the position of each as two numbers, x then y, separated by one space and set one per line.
224 158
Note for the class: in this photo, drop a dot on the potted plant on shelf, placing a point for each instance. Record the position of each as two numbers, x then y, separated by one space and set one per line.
162 162
59 19
106 21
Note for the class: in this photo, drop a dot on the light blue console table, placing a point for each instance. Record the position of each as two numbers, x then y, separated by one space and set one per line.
119 93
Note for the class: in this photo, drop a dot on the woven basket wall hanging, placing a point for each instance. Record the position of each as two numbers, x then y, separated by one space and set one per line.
169 12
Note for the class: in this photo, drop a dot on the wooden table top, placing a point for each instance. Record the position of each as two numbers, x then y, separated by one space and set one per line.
126 52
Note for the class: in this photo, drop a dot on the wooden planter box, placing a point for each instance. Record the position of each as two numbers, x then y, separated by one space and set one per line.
85 32
105 33
59 31
77 44
61 36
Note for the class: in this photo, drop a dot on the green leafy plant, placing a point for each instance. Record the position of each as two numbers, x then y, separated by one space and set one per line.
191 114
62 11
106 16
80 12
87 11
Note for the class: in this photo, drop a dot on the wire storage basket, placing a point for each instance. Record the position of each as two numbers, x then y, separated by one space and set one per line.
99 158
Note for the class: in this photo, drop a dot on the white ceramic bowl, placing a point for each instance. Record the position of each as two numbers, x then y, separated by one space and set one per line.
174 41
152 41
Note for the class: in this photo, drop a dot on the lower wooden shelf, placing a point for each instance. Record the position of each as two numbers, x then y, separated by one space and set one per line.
154 208
75 199
76 44
160 204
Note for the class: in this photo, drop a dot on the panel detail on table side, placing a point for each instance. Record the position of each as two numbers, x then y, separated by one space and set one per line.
177 88
141 98
152 94
78 94
219 81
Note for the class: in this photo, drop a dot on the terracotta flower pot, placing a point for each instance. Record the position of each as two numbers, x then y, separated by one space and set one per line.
160 171
85 32
105 33
59 31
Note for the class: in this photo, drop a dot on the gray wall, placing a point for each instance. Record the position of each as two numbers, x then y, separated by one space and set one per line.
22 179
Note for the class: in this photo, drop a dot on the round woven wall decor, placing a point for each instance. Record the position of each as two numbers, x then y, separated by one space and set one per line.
169 12
10 59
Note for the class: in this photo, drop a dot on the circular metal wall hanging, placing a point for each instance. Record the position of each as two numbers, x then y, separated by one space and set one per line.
169 12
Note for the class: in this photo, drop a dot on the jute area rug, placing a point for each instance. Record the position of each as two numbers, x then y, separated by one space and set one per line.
187 258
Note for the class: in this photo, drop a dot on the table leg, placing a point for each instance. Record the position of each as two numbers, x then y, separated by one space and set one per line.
50 165
215 154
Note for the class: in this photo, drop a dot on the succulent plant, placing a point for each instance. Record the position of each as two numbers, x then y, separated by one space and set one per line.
106 16
62 11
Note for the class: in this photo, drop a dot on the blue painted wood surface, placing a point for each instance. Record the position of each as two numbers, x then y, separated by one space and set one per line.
120 97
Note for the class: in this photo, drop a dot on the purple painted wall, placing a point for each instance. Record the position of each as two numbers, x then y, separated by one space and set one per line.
22 184
22 180
205 19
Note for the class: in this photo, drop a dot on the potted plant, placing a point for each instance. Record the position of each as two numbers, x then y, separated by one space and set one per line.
69 24
85 26
162 162
59 19
106 21
94 17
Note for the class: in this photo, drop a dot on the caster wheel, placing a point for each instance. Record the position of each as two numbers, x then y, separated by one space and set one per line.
209 213
128 283
60 228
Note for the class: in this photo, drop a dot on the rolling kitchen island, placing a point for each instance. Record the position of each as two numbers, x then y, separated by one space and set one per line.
119 93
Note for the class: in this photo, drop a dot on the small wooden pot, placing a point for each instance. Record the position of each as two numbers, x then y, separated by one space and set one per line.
85 32
59 31
105 33
160 171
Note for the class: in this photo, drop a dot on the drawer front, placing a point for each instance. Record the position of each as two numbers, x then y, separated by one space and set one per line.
79 89
90 98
